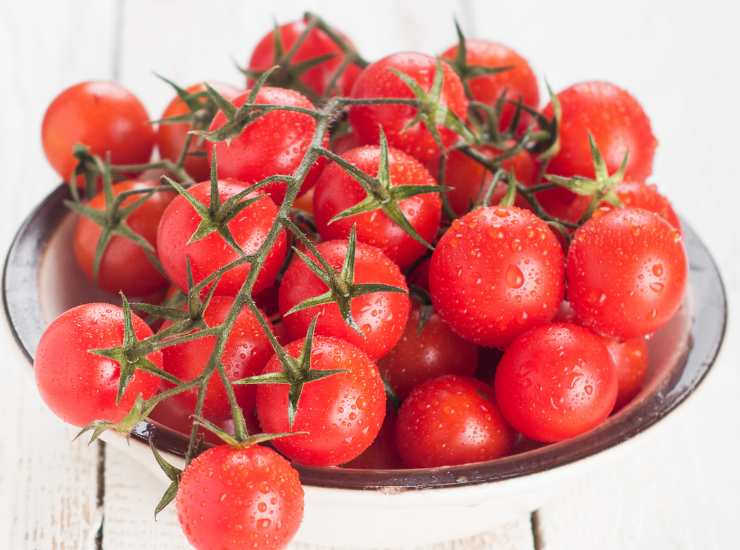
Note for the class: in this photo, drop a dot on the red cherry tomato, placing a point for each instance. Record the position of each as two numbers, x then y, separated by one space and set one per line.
341 143
380 315
378 80
316 44
171 137
249 229
337 191
341 413
626 273
274 143
79 386
519 82
631 362
105 117
496 273
451 420
124 266
426 353
246 353
240 497
382 454
555 382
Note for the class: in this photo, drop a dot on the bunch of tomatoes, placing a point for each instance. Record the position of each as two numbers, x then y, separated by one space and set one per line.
399 264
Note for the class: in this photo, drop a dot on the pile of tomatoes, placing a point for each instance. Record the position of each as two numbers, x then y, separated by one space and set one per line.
407 263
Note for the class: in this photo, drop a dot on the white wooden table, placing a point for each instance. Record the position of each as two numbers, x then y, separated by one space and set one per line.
680 491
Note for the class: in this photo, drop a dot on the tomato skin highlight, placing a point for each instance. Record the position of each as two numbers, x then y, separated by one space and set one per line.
102 115
249 228
378 80
79 386
246 353
421 355
336 190
342 413
451 420
497 272
171 137
555 382
124 266
275 143
239 497
626 273
381 315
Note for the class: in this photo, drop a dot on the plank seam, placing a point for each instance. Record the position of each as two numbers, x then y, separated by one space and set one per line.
534 519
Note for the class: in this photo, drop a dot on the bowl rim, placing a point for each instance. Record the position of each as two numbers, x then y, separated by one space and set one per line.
22 306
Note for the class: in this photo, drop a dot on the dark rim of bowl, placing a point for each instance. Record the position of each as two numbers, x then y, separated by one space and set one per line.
21 299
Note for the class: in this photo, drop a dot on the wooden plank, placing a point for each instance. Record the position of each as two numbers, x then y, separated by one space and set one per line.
48 484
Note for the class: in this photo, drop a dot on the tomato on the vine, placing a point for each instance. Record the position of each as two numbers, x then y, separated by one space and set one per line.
124 265
80 386
497 272
171 137
342 414
626 272
105 117
239 497
378 80
336 191
556 381
274 143
249 229
451 420
630 359
246 352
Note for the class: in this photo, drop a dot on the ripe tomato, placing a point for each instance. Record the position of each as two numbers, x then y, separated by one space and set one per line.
519 82
378 80
381 315
337 191
246 353
451 420
249 229
467 178
382 454
631 362
171 137
105 117
79 386
240 497
124 266
343 142
274 143
496 273
555 382
341 413
626 273
316 44
424 354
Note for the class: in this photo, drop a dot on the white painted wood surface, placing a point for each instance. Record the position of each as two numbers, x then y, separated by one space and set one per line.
679 491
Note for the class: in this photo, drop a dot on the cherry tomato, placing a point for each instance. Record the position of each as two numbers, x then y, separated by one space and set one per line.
630 359
239 497
316 44
249 229
382 454
246 353
626 273
337 191
451 420
426 353
124 266
380 315
102 115
556 381
496 273
519 82
378 80
79 386
343 142
171 137
274 143
342 414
